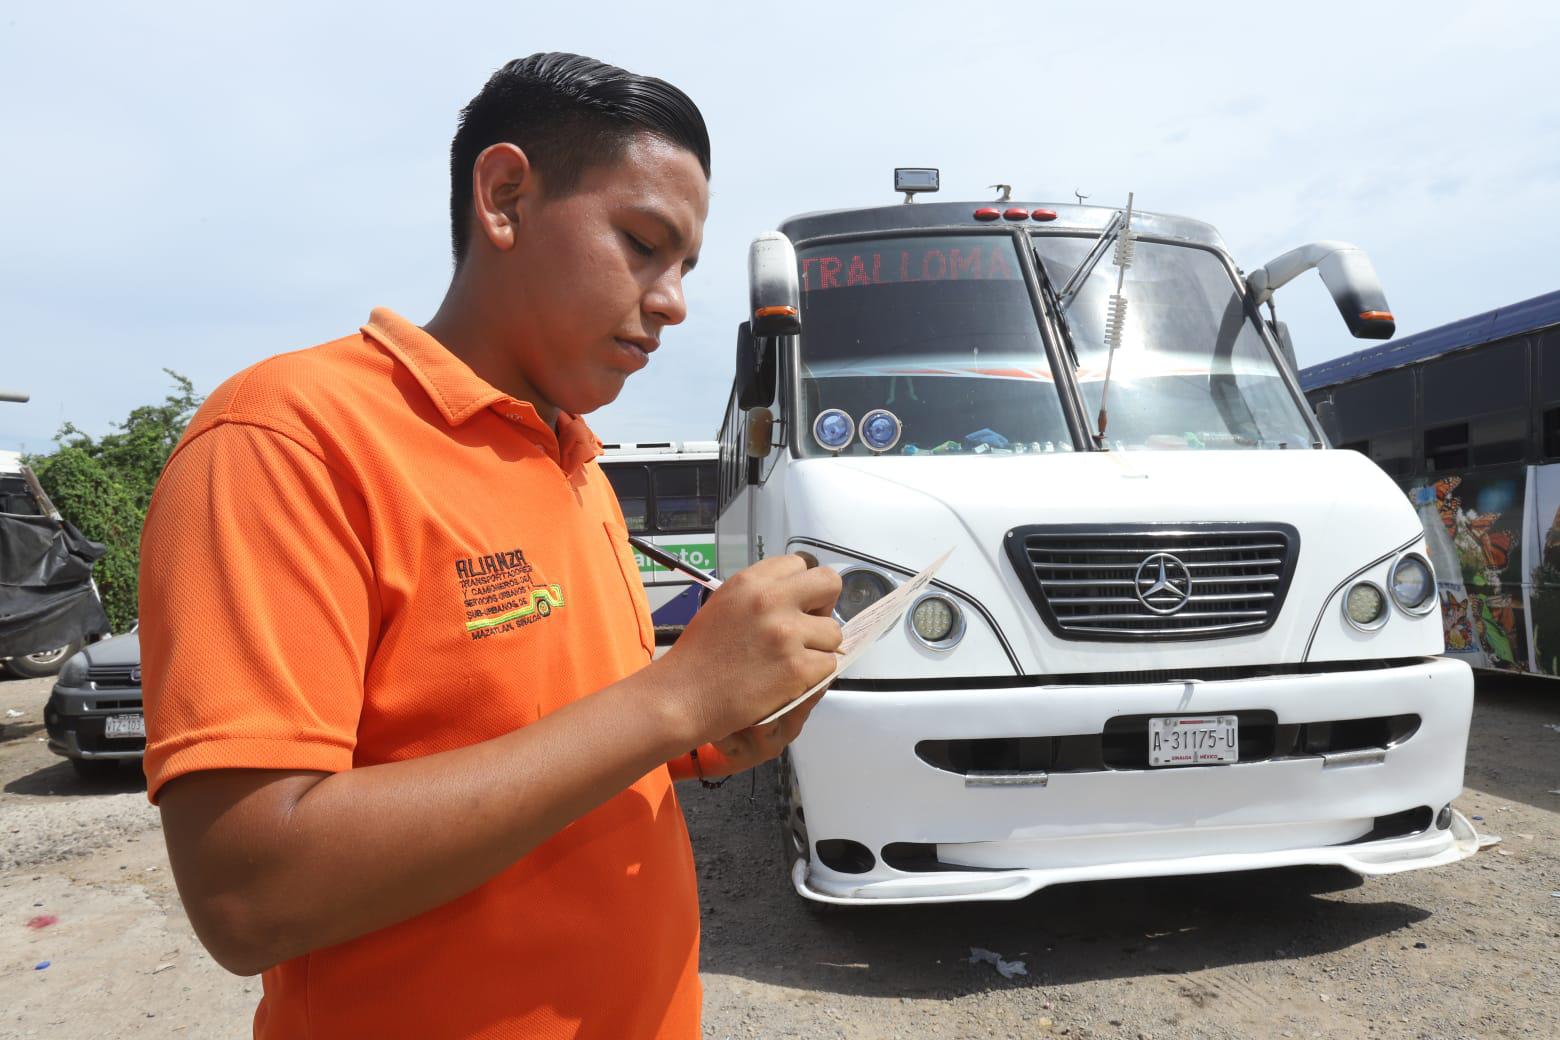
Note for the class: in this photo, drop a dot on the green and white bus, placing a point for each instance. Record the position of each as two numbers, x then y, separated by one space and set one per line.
668 495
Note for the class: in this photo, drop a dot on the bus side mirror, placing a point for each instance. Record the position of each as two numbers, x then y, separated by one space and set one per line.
773 293
760 429
1349 277
747 367
755 382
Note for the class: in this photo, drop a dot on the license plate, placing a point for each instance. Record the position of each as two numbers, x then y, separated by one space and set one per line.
124 726
1192 740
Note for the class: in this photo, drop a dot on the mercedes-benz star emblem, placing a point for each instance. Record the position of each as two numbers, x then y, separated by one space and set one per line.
1163 584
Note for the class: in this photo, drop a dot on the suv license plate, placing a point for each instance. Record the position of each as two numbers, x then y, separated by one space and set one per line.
1193 740
124 726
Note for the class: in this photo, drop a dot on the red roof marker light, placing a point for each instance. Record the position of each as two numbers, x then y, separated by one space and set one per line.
1016 214
1044 214
987 213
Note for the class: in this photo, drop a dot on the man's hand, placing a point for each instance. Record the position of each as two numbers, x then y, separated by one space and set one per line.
763 638
758 744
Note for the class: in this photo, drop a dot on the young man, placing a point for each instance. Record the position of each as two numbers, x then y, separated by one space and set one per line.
414 762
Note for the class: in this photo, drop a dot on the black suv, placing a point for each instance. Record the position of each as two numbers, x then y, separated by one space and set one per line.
94 714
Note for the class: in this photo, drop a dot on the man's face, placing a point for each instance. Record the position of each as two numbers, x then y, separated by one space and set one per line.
595 276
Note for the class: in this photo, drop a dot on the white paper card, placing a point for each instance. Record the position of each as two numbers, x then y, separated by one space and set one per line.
861 631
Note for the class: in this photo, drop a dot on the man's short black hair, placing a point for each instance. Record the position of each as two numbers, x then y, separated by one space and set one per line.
567 113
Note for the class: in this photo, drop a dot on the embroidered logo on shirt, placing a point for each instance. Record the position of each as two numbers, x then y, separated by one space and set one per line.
500 593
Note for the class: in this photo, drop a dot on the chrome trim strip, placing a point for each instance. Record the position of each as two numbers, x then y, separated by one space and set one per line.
1062 583
979 778
1212 597
1233 626
1361 757
1138 550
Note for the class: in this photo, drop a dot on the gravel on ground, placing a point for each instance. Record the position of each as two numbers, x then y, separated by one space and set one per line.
1469 950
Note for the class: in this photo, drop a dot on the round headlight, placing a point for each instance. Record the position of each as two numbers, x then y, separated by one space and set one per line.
880 429
1413 584
859 589
1365 606
937 621
833 429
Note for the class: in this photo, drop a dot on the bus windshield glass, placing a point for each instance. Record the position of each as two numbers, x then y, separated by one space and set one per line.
939 331
1192 370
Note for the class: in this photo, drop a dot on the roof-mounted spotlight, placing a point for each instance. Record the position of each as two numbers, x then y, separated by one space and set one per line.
912 180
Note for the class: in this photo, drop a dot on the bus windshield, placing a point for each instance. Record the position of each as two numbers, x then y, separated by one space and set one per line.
1192 370
940 331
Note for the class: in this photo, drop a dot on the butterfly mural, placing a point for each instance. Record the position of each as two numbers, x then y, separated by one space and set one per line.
1481 597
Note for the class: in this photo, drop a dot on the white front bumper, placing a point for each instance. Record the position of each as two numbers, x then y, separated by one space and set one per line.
860 779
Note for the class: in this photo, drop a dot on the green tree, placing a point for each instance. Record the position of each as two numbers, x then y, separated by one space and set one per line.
103 486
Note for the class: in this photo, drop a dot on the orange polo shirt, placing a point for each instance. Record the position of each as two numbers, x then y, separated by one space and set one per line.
362 553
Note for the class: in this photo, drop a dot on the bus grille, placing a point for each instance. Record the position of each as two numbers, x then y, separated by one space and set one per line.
1151 582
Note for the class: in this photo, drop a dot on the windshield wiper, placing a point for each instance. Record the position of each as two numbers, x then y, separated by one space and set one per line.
1054 302
1075 280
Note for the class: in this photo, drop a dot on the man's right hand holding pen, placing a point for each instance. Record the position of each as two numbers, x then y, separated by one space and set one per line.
766 635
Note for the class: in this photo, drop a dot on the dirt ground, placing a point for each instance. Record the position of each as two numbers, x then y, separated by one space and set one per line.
1470 950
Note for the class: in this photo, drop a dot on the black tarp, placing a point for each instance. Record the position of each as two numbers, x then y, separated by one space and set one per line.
46 595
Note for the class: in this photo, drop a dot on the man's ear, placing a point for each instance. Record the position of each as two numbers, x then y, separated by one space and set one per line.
503 183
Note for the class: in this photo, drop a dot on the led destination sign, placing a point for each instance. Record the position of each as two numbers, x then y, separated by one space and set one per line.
891 261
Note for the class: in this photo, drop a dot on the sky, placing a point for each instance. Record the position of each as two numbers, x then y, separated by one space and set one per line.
196 186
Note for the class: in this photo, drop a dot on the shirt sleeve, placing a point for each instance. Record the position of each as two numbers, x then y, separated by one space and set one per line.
259 609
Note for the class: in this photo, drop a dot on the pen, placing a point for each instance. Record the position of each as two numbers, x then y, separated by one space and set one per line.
666 559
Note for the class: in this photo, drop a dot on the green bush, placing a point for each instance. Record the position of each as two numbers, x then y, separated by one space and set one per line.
103 486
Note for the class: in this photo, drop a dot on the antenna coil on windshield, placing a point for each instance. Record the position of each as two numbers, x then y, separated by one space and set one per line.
1116 310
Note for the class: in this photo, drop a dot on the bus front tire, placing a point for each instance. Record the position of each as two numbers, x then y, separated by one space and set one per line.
794 843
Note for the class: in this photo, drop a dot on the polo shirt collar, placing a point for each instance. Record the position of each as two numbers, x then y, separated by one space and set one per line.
459 393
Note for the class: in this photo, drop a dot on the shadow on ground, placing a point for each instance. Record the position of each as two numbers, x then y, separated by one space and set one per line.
756 927
11 732
59 779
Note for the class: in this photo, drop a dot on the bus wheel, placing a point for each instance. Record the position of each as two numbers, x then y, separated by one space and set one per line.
794 843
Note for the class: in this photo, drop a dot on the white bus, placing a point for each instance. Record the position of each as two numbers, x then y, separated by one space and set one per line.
1177 633
667 492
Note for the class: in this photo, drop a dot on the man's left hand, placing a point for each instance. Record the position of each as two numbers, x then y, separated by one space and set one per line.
757 744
